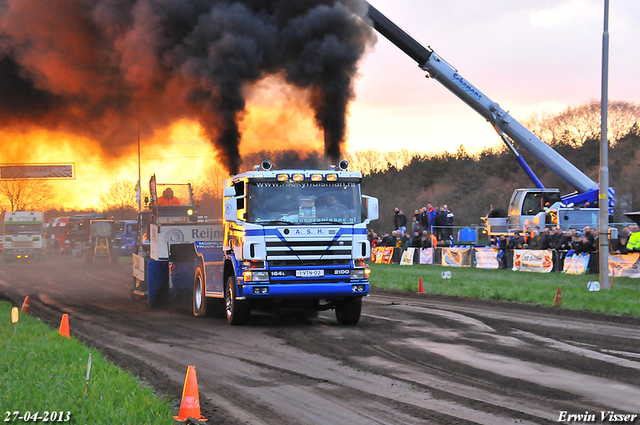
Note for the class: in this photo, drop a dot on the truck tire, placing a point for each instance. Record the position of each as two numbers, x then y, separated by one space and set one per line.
201 305
348 311
237 311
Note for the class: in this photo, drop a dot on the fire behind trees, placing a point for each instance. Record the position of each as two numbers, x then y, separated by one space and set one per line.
471 184
24 195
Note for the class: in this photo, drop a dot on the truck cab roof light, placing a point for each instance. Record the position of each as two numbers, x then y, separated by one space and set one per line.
283 177
332 177
298 177
316 177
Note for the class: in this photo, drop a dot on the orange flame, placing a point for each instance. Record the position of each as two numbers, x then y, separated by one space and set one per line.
277 118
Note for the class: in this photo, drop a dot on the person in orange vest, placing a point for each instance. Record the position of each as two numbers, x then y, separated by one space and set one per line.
167 199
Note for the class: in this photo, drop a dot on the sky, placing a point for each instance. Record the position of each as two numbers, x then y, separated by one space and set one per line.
529 56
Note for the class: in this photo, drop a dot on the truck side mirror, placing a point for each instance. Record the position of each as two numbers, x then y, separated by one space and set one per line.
229 191
371 206
230 209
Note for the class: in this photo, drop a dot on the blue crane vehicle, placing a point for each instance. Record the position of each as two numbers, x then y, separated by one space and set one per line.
538 205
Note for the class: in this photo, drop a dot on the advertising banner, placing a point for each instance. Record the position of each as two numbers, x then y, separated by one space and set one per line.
426 256
382 254
407 257
527 260
486 258
627 265
456 257
576 264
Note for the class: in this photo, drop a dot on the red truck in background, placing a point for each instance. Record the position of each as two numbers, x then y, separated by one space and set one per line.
57 231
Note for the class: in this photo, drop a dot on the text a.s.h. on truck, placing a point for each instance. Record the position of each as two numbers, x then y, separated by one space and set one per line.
289 239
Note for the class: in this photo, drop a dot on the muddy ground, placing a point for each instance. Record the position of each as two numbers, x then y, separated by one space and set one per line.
412 359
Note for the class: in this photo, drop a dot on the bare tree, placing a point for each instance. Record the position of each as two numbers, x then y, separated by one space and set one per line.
575 125
211 184
208 190
25 195
120 199
400 158
366 161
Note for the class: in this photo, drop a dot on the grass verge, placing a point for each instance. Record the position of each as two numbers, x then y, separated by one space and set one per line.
42 371
535 288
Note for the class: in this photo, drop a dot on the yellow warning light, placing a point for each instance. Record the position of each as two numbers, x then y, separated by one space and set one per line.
298 177
283 177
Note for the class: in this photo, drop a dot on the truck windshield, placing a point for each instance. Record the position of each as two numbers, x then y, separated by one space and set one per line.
535 202
304 202
101 229
22 229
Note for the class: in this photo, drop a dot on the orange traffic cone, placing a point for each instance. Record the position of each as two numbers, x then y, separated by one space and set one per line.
557 301
190 405
420 286
64 326
25 305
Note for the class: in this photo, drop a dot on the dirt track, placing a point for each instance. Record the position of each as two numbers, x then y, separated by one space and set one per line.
413 359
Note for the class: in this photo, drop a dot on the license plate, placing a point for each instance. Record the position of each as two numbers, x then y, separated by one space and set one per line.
309 273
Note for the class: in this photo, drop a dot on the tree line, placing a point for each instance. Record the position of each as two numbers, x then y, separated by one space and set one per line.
470 184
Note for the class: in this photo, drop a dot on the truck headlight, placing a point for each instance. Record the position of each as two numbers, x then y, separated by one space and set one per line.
359 274
255 276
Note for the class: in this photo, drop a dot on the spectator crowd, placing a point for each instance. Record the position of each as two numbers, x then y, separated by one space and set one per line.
566 243
429 227
432 226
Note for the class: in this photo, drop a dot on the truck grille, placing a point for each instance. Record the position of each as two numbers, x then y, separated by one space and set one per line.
21 244
319 250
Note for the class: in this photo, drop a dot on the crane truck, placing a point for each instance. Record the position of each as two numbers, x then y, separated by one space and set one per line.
290 238
540 205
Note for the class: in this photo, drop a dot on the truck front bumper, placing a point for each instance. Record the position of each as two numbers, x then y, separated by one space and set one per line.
257 290
23 253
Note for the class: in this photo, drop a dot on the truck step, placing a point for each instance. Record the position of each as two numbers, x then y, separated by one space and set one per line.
140 293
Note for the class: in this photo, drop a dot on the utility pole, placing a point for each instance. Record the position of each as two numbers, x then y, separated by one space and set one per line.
139 194
603 201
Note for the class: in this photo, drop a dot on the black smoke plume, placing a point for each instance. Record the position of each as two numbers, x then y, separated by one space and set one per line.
98 67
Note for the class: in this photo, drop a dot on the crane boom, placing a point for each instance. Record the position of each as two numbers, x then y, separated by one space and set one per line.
503 123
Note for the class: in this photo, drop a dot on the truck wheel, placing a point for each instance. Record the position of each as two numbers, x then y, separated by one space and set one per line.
200 302
237 311
348 311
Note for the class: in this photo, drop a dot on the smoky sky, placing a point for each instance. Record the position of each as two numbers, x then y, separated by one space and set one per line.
98 67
